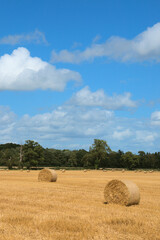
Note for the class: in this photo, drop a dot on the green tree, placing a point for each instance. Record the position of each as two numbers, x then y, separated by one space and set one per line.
72 161
33 154
141 157
130 160
10 157
88 161
79 155
114 159
99 151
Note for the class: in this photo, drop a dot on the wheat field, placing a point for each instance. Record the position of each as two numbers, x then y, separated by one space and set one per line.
74 207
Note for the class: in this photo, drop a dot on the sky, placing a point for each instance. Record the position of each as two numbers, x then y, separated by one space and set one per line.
78 70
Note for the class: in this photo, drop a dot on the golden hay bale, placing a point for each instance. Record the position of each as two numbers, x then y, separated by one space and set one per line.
122 192
28 170
104 170
123 170
63 170
85 170
47 175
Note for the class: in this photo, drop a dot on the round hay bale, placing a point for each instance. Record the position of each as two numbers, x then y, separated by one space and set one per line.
28 170
123 170
85 170
122 192
104 170
63 170
47 175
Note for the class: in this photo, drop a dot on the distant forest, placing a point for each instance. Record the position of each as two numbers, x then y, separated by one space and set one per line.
32 154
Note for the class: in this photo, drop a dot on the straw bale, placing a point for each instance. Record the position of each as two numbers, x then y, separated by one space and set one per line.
85 170
63 170
47 175
122 192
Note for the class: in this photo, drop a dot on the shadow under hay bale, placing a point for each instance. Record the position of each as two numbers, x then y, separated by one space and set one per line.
122 192
47 175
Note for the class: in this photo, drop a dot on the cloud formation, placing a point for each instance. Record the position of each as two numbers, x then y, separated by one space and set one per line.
144 47
155 118
99 99
68 125
20 71
36 37
123 134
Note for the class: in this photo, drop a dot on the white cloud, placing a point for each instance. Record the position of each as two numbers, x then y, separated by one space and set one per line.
155 118
99 99
146 136
144 47
69 126
33 37
120 135
20 71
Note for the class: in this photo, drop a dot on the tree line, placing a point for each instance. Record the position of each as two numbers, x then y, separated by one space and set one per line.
32 154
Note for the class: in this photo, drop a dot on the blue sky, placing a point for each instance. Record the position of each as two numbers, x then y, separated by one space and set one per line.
72 71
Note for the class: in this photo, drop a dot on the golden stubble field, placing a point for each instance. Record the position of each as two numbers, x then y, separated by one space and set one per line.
73 207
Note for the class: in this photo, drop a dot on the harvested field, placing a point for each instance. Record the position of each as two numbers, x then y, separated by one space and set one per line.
73 208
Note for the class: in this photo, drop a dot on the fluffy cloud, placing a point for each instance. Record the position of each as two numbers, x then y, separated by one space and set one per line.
70 126
155 118
33 37
144 47
20 71
99 99
146 136
120 135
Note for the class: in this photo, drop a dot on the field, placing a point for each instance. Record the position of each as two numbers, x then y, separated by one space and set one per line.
74 208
